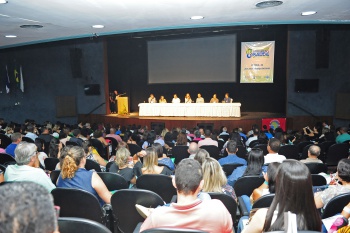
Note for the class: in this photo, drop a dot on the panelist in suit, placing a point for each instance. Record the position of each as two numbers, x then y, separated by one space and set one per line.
227 99
152 99
176 99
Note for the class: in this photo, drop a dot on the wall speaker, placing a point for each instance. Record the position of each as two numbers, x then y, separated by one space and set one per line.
92 89
75 62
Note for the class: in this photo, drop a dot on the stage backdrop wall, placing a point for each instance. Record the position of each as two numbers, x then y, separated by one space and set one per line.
127 63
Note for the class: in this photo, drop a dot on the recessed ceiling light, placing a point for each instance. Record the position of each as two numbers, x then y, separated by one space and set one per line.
10 36
269 3
196 17
306 13
98 26
3 2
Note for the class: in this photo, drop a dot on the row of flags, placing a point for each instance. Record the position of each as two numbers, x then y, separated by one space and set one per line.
18 79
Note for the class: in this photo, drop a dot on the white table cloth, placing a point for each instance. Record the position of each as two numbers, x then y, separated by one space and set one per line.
193 109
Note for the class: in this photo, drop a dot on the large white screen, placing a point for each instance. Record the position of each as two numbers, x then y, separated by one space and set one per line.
198 60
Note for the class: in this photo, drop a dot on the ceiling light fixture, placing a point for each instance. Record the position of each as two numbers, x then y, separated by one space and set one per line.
306 13
3 1
197 17
269 3
98 26
10 36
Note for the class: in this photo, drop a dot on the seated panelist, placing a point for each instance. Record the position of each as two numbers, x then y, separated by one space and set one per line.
199 99
162 99
227 99
188 99
176 99
214 99
152 99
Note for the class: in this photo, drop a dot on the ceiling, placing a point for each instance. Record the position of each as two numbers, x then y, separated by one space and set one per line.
66 19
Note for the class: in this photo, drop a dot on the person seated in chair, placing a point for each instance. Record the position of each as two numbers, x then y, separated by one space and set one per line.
74 175
162 99
189 211
343 135
16 138
152 99
30 132
232 157
214 99
227 99
188 99
76 138
176 100
312 155
27 167
207 140
273 147
199 99
45 134
32 211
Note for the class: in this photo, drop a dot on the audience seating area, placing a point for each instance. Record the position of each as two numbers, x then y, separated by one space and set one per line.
80 211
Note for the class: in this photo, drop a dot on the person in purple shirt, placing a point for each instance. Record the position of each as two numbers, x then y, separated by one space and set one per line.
232 157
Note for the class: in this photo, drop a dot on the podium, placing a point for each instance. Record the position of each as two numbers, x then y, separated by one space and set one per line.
123 105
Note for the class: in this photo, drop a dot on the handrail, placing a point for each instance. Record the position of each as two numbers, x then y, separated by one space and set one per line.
95 109
303 109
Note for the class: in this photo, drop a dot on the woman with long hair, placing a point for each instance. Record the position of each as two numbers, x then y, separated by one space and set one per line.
122 165
74 175
162 158
150 163
55 148
254 168
181 140
92 154
201 155
294 194
215 179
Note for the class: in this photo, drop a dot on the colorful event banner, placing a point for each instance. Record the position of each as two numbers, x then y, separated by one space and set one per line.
257 60
274 123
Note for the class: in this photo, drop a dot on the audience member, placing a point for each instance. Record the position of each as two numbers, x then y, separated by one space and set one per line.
55 148
30 132
214 99
112 134
98 134
273 147
189 211
201 156
215 179
254 137
232 157
312 155
162 158
122 165
27 167
27 207
41 154
207 141
254 168
74 175
16 138
192 149
76 137
150 163
343 176
291 175
45 134
92 154
343 135
181 140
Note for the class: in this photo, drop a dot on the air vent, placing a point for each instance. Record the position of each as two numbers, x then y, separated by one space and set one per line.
31 26
264 4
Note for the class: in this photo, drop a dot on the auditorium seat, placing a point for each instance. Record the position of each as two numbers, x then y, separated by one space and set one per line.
213 151
172 230
4 141
114 144
51 163
72 224
92 165
27 139
316 168
228 201
6 159
335 153
228 168
180 153
263 202
336 205
245 185
289 151
113 181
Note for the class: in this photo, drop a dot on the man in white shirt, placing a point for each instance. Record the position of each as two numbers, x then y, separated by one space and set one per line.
152 99
273 147
199 99
207 140
253 138
176 99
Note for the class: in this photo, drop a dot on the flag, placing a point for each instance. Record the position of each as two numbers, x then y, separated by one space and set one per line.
21 84
16 75
7 81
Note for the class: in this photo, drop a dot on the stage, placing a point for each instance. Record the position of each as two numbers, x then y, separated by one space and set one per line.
246 120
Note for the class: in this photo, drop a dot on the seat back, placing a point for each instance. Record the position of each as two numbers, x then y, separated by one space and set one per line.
4 141
92 165
160 184
180 153
264 201
50 163
6 159
113 181
318 180
224 137
289 151
172 230
213 151
316 168
241 152
71 143
54 176
123 205
114 143
336 205
228 168
2 168
245 185
263 147
304 154
71 224
253 143
228 201
99 147
78 203
44 143
108 165
133 148
27 139
337 152
301 146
